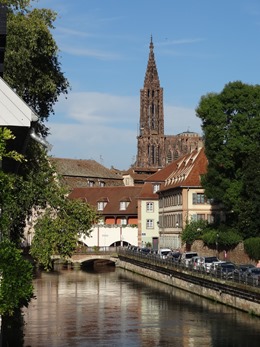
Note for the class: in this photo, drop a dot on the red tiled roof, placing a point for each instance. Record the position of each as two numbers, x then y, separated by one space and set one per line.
186 171
147 192
113 195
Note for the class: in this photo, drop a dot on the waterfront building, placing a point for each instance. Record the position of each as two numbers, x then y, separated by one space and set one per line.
118 211
181 197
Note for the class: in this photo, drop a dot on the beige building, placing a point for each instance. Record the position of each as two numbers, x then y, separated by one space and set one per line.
148 226
182 198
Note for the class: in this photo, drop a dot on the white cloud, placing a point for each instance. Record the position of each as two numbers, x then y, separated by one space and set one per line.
103 127
84 52
168 42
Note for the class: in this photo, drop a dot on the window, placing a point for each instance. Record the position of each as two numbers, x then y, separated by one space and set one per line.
211 218
198 198
123 221
91 183
101 184
101 205
149 207
149 223
156 187
124 205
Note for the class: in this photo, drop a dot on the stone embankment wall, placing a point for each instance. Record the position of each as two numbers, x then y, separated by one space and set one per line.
237 255
209 293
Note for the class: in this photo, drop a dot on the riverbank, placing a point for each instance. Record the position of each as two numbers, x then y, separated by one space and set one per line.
215 290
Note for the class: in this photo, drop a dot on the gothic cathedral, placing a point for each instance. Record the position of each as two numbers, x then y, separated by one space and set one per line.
154 149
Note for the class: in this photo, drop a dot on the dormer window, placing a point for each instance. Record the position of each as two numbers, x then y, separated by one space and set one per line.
124 205
101 204
156 187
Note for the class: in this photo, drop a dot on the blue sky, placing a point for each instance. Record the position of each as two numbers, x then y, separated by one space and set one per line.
199 46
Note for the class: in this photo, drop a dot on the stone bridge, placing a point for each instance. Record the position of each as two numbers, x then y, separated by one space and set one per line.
100 257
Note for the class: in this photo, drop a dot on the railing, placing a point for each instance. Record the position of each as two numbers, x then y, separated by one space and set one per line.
235 276
97 250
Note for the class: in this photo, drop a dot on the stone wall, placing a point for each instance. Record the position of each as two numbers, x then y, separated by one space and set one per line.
209 293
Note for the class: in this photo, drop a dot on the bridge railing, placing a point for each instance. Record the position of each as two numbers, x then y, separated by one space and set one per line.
97 250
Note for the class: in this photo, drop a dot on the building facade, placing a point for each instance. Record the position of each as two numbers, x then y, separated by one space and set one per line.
182 198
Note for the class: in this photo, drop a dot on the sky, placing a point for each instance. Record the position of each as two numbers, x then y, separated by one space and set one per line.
199 46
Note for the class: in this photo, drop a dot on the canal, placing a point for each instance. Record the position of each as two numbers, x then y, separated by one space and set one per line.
113 307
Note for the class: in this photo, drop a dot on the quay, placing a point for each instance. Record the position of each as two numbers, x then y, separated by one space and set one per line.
235 294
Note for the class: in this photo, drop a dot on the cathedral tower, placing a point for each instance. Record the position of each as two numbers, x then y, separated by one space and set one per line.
150 146
155 150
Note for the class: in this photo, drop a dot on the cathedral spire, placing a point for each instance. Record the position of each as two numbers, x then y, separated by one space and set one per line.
151 75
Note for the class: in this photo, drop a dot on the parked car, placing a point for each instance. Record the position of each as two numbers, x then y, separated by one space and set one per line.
204 263
213 266
244 267
174 256
163 252
145 250
186 257
252 276
225 270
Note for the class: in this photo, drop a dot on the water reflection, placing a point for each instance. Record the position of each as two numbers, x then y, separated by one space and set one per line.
119 308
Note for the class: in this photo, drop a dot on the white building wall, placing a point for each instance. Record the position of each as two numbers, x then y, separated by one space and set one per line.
106 235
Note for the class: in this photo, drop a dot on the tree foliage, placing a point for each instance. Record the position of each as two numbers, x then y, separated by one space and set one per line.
6 135
231 125
252 247
224 239
193 231
32 68
16 279
57 231
31 64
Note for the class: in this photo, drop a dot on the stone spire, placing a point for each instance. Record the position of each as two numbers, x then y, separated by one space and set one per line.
150 146
151 75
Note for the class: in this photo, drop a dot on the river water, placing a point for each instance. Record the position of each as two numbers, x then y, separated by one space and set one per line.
115 308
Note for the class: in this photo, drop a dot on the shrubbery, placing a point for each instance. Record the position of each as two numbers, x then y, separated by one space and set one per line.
252 247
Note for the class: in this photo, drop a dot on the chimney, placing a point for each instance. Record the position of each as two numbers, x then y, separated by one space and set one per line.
2 37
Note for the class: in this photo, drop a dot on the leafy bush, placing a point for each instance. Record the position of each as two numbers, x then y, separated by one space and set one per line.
223 238
193 231
252 247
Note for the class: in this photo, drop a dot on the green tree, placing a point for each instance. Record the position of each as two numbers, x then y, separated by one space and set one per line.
31 64
16 279
6 135
231 126
32 68
248 222
193 231
57 231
